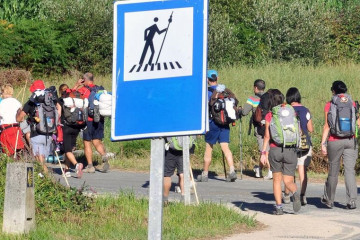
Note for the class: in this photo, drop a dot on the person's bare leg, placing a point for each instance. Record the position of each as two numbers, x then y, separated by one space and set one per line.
303 178
69 157
167 186
88 152
228 155
207 157
181 183
289 183
41 160
277 178
99 146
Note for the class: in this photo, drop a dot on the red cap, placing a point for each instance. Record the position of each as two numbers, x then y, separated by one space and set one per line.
37 85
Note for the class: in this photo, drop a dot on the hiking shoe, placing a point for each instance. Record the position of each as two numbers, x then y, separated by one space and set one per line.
67 174
202 178
303 200
104 167
89 169
258 172
231 177
286 198
278 211
326 202
351 205
296 202
269 176
78 170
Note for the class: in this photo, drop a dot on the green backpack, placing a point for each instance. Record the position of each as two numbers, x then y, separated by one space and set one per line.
284 126
176 143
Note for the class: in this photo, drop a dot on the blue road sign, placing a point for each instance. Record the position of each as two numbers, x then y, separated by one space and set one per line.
159 68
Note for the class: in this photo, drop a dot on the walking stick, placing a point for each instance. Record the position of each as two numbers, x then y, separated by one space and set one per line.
17 134
223 158
193 182
241 158
162 44
63 173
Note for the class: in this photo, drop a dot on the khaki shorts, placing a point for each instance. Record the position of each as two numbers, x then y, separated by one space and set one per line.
304 158
260 141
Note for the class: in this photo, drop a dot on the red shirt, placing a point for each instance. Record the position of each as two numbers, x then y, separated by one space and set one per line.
326 110
268 118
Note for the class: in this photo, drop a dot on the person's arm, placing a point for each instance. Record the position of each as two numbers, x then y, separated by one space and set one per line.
264 158
58 108
20 115
325 135
309 126
78 84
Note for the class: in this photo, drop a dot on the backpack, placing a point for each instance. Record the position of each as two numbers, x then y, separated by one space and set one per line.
260 112
93 109
342 116
176 143
45 116
75 109
304 144
223 108
284 126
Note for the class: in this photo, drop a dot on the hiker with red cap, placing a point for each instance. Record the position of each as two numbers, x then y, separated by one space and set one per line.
11 135
43 112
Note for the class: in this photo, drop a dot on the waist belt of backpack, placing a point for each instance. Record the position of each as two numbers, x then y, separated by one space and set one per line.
6 126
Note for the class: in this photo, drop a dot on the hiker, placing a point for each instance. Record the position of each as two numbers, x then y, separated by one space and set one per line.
339 141
94 131
11 135
174 160
219 125
70 129
282 154
304 154
252 103
43 111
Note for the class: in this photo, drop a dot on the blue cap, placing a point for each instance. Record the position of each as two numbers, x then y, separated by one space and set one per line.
212 75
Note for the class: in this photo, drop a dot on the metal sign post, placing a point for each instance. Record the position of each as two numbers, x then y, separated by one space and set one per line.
156 188
186 169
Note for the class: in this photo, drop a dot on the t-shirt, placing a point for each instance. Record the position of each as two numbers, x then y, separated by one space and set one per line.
326 110
304 115
8 110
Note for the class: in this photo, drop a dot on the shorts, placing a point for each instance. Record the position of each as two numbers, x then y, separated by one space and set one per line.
304 158
283 160
220 134
25 127
94 130
260 141
173 160
70 136
41 145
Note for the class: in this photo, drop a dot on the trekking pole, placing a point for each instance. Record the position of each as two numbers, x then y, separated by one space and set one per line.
63 173
223 158
162 44
193 182
241 158
17 134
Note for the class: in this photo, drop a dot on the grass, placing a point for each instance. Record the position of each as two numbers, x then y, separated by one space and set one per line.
125 217
313 82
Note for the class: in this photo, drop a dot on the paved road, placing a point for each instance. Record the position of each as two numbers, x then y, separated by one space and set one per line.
250 196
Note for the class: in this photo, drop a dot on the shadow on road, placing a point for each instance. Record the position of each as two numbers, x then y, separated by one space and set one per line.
258 207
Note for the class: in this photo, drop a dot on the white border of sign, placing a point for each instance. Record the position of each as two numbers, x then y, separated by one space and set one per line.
204 115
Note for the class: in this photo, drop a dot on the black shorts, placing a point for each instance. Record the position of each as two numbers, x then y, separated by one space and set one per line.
94 130
70 135
173 160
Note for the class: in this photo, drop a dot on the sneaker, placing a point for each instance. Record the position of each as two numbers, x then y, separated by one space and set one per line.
286 198
231 177
104 167
326 202
296 202
269 176
177 189
202 178
89 169
257 171
78 170
303 200
278 211
351 205
67 174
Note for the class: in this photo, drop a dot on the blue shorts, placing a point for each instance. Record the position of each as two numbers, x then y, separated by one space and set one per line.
94 130
217 133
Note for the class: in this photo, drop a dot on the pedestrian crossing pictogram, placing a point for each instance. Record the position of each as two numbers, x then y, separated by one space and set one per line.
156 67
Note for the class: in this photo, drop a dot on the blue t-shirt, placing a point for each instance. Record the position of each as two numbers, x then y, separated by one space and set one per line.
304 115
211 92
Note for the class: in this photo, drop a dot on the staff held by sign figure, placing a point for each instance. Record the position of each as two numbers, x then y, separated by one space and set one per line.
149 34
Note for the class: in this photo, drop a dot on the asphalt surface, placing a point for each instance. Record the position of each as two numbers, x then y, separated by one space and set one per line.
249 196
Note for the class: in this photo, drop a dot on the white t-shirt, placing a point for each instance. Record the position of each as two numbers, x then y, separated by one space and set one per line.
8 110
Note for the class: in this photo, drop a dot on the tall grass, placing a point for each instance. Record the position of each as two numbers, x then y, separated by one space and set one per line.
313 82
